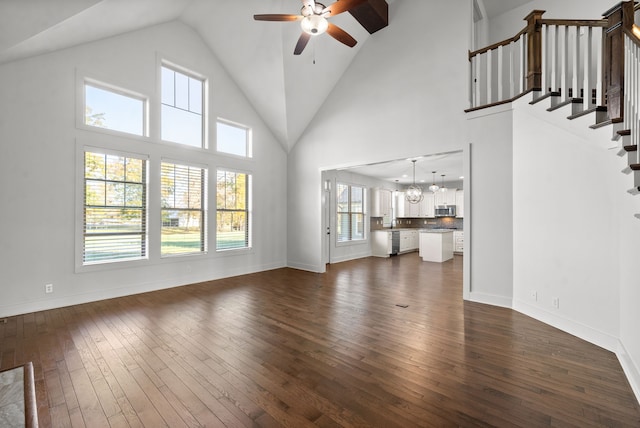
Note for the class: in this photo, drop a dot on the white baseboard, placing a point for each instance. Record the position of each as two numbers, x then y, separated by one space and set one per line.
306 267
630 369
128 290
490 299
591 335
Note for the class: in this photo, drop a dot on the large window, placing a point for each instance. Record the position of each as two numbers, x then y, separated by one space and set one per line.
350 212
233 139
232 205
115 208
183 190
114 110
182 108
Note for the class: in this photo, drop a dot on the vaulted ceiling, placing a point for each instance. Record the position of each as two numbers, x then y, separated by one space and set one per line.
286 90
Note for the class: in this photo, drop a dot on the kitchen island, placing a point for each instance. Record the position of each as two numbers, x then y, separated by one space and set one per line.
436 245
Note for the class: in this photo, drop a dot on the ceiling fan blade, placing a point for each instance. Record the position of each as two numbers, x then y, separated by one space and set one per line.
302 43
340 6
277 17
340 35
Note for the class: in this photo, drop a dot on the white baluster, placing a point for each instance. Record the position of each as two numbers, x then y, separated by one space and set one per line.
564 74
598 62
587 69
575 64
523 62
499 82
544 34
489 86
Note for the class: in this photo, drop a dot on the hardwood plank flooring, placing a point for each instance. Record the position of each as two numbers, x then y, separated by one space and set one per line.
295 349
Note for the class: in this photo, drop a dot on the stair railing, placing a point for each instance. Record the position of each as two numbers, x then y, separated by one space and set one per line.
576 61
631 98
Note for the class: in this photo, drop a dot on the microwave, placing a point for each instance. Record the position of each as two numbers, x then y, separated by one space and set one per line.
445 211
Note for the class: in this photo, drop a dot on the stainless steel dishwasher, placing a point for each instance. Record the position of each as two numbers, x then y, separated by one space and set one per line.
395 242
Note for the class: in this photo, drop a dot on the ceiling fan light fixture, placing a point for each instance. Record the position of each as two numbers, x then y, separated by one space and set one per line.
314 24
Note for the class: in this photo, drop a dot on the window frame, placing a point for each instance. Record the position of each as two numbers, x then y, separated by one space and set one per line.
84 80
248 147
350 213
81 206
248 212
164 63
204 208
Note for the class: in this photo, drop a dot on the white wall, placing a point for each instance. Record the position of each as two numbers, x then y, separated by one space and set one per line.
627 228
491 237
403 96
38 175
565 239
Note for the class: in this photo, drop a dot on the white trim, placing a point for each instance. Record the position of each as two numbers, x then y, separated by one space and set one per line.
630 369
582 331
489 299
248 143
94 296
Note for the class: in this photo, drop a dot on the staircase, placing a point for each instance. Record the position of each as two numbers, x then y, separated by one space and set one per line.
593 66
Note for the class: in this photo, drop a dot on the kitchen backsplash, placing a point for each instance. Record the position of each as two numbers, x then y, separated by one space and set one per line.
420 223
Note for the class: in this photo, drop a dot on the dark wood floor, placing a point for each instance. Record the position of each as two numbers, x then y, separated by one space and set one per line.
292 348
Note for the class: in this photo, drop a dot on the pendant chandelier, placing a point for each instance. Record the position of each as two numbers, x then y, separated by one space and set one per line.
442 188
413 194
434 187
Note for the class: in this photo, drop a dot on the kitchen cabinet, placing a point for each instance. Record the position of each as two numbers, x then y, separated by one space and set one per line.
445 198
424 209
428 205
381 204
381 243
458 241
459 203
436 245
411 210
408 240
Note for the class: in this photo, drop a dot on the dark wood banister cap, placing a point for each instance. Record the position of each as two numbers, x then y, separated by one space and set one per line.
535 12
615 8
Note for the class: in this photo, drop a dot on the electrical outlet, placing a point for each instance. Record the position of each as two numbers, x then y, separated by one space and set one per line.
533 295
48 288
556 302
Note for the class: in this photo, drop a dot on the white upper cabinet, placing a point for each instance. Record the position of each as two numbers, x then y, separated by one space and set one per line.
381 205
446 198
380 202
424 209
459 203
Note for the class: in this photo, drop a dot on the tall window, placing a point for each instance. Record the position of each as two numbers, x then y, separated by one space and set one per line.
115 110
115 208
182 108
350 212
233 139
183 190
232 205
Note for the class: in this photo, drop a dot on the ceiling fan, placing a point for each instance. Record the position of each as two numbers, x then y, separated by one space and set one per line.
313 17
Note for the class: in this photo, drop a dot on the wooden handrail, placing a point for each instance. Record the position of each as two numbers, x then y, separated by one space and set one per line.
615 24
565 22
498 44
634 34
575 22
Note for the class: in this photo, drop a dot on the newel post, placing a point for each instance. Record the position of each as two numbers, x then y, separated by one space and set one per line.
619 18
534 50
